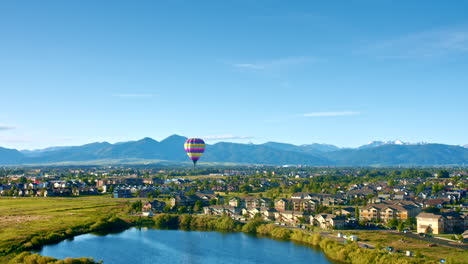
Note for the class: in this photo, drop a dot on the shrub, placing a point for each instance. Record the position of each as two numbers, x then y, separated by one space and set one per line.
28 258
166 221
251 227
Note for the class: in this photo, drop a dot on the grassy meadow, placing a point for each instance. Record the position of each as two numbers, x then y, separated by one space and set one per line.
27 223
22 219
402 243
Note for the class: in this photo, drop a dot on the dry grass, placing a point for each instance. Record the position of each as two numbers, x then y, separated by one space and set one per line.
387 239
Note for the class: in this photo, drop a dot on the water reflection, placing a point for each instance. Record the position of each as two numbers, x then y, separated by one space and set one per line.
184 247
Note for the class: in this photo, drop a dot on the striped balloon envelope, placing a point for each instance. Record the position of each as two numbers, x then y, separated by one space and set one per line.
194 148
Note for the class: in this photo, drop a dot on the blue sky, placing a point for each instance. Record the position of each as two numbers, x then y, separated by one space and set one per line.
338 72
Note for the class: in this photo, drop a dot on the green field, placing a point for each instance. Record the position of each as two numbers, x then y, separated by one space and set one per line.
21 219
401 243
28 222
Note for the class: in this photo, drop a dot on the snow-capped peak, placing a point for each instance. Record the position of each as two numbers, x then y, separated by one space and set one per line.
381 143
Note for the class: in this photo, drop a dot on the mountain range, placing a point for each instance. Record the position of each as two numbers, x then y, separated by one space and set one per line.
376 153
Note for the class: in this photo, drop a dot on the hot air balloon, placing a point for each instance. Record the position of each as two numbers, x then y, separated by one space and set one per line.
194 148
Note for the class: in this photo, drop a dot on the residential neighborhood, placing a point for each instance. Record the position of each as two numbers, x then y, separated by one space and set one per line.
322 198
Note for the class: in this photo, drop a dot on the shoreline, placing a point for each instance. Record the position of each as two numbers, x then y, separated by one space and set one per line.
334 250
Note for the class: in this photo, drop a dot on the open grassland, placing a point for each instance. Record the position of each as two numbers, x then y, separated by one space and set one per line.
399 242
24 219
27 223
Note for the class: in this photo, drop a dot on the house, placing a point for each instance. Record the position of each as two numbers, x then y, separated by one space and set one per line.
58 192
251 212
301 195
361 193
85 191
235 202
154 206
401 195
383 212
206 198
122 193
454 222
249 202
221 210
268 213
437 202
329 221
439 223
182 200
282 204
430 223
59 184
133 181
288 216
153 181
147 213
346 211
253 202
307 205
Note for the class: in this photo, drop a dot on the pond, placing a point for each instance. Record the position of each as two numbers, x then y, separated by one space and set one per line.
188 247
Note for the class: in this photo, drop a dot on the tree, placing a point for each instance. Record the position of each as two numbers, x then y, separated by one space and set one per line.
156 193
400 226
436 188
456 179
137 206
302 220
392 223
420 188
23 180
167 208
443 174
190 192
411 222
182 209
356 212
198 206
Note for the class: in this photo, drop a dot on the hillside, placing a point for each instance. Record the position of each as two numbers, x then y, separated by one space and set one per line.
271 153
394 155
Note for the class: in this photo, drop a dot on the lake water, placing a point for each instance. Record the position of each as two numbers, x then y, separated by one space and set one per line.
187 247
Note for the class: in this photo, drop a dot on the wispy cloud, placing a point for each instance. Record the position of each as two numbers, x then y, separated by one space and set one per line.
4 127
15 140
38 141
135 95
423 44
276 63
225 137
324 114
250 66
